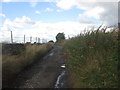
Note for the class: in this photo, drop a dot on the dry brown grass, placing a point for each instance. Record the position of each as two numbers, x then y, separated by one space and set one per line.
14 64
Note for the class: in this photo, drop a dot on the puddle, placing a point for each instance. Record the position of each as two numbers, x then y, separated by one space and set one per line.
51 54
60 81
63 66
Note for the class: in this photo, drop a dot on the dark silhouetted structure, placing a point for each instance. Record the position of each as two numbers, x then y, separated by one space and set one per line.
60 37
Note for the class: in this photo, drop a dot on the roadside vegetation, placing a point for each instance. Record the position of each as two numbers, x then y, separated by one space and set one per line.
92 59
13 63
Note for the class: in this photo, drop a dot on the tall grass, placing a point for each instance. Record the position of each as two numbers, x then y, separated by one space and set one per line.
14 64
92 59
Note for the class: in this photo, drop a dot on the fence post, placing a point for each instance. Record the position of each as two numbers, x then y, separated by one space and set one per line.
24 38
11 37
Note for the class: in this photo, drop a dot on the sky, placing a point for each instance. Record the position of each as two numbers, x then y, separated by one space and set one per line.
46 18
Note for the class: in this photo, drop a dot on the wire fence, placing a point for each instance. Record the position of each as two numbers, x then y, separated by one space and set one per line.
8 37
23 40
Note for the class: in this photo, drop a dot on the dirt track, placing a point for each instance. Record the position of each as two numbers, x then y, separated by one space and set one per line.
44 73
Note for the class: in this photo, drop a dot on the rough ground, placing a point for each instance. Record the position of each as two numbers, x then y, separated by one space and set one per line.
44 73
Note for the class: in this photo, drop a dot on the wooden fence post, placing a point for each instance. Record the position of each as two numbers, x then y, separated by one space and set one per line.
11 37
24 38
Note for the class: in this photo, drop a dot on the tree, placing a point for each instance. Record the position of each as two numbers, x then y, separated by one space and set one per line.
60 37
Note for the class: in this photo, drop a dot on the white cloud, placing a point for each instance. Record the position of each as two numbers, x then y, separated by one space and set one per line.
37 12
6 0
2 15
13 24
49 9
17 23
24 20
104 11
65 4
95 12
84 19
91 13
110 15
20 26
58 10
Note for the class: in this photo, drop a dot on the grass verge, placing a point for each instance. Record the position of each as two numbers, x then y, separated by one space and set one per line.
92 59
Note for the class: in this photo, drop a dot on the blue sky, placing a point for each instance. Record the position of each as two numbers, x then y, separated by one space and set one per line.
46 19
19 9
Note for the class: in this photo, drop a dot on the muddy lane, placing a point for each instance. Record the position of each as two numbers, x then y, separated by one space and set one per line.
49 72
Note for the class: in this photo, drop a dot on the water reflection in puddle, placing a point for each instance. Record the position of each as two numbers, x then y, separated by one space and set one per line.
51 54
59 82
63 66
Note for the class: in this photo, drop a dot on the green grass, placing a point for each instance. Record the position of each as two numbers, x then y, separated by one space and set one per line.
92 59
14 64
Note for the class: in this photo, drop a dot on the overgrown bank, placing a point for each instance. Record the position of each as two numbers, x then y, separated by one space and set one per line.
92 59
15 61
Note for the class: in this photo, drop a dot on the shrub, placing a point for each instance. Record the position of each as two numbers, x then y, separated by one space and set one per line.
60 37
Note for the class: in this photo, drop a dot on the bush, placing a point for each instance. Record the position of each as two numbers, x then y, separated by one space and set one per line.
60 37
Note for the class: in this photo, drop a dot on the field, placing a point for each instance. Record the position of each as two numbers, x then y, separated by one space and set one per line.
16 57
92 59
